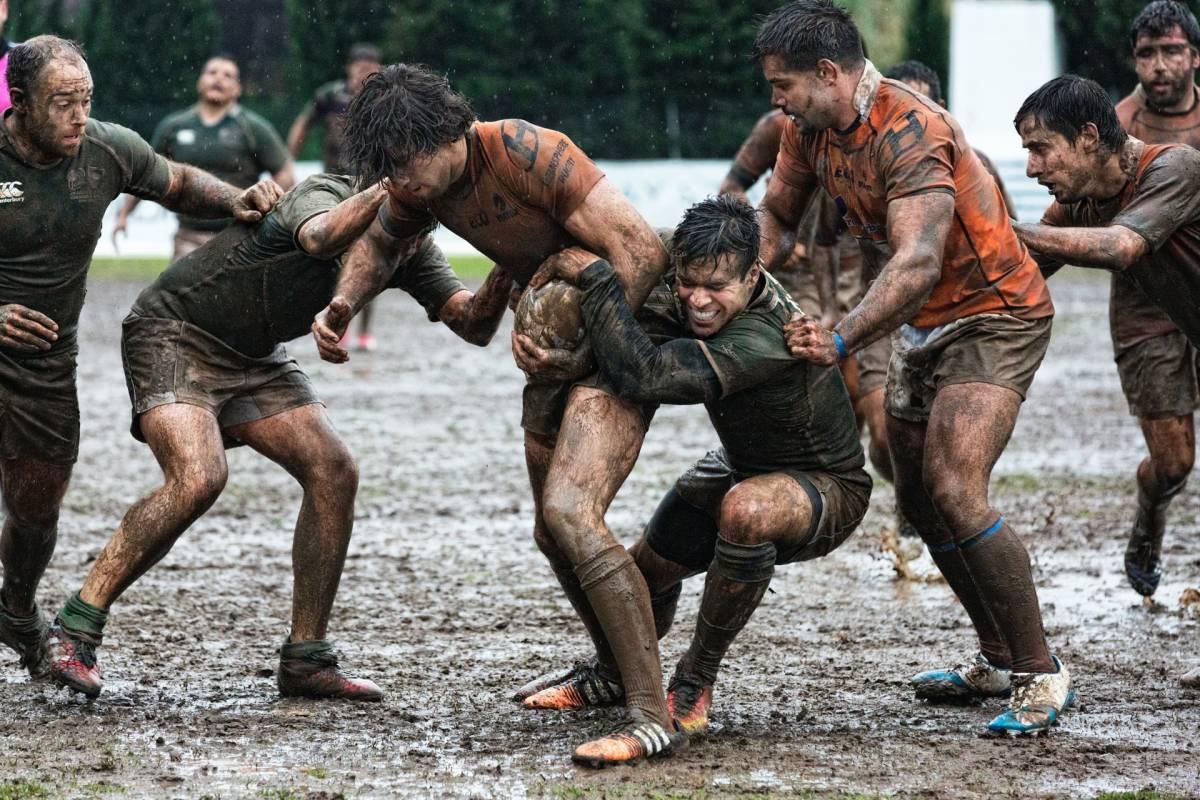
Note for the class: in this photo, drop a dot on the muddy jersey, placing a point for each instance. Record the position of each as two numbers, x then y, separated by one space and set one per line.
50 217
1133 317
520 185
904 145
328 107
771 411
757 154
253 287
237 149
1161 203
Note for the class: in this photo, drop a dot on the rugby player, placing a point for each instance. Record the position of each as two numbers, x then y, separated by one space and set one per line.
972 317
519 193
1120 204
328 108
787 483
206 369
58 173
220 136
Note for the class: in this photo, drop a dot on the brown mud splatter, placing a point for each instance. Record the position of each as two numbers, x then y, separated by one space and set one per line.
447 603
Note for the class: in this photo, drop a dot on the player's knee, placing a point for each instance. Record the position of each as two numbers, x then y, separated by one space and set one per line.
747 515
199 488
33 512
1174 465
336 471
565 515
952 492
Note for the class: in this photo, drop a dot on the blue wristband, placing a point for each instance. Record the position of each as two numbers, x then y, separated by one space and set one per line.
840 345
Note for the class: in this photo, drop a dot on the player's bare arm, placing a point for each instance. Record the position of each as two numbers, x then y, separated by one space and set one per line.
780 214
474 317
917 230
195 192
298 133
1112 248
330 234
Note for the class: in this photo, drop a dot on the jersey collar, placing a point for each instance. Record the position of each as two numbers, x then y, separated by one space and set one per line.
1131 156
867 90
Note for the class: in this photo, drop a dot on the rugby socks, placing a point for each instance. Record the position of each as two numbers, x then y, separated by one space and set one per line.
620 600
954 569
315 650
79 616
663 605
1000 569
569 581
735 585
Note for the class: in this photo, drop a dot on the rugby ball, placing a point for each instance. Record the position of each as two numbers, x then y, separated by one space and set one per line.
550 315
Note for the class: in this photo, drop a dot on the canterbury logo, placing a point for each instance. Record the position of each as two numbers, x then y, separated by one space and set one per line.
11 190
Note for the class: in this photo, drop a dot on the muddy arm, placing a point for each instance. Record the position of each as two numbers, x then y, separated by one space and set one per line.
475 317
1112 248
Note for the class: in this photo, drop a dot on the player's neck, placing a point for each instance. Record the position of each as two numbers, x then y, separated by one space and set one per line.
1110 179
1186 104
214 112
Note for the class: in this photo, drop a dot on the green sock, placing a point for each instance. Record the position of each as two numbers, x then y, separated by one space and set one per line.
313 650
83 617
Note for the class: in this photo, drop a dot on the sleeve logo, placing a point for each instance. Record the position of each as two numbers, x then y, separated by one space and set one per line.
11 192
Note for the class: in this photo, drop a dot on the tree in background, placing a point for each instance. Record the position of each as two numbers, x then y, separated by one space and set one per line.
927 37
323 32
1096 38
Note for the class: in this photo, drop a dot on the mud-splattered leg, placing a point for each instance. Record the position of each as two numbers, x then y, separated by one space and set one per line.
303 441
33 493
187 443
1160 477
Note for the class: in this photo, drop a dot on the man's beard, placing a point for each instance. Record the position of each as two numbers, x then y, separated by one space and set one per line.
1177 92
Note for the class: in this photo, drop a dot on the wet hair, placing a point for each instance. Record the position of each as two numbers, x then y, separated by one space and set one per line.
364 51
805 31
912 70
27 60
401 112
715 227
1067 103
223 56
1158 18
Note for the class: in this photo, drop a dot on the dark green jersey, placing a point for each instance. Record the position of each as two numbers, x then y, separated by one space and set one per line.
328 107
50 217
771 411
237 149
253 286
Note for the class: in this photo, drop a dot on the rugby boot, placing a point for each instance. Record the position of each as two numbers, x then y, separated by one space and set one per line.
1143 554
688 700
316 675
582 687
972 680
29 636
73 660
635 739
1038 700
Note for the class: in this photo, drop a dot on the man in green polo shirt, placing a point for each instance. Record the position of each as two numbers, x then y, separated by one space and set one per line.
219 136
59 171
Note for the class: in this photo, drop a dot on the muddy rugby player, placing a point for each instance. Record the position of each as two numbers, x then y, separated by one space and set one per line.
519 193
1120 204
59 170
786 485
220 136
206 369
972 315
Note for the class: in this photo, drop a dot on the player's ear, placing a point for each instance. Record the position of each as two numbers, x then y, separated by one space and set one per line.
19 99
827 71
1089 137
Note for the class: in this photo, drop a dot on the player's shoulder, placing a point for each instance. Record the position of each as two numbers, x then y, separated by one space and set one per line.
520 142
112 135
1181 157
342 187
1129 107
179 119
330 90
902 115
251 117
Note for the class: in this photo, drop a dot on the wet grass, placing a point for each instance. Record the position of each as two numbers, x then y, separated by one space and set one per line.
23 790
146 269
1141 794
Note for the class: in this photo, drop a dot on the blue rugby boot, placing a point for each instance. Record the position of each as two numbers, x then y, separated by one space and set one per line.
973 680
1038 700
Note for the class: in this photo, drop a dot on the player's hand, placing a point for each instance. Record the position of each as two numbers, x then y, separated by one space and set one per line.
329 327
808 340
253 203
565 265
25 330
119 227
551 365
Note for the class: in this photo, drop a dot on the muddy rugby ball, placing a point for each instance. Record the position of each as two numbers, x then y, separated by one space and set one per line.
550 316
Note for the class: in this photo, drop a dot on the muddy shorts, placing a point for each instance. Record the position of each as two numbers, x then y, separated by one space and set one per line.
998 349
187 240
543 404
873 365
842 498
1159 377
800 283
39 408
169 361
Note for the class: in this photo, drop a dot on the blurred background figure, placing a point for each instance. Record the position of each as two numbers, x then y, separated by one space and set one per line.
218 136
326 108
5 102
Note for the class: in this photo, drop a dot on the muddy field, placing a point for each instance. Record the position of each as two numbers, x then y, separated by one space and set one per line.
447 603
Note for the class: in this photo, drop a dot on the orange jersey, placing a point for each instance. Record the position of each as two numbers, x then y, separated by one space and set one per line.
1152 127
521 184
904 145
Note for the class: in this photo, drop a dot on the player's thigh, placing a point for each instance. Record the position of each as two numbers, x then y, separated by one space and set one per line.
303 441
186 441
970 424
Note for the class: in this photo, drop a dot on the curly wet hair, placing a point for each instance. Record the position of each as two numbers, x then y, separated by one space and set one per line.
715 227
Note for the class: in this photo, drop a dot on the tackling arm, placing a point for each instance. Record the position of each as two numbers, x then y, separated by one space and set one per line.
475 317
1113 247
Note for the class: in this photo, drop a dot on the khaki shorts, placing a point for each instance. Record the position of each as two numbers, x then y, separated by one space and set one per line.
1159 377
187 240
998 349
844 498
543 404
801 284
169 361
873 365
39 408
